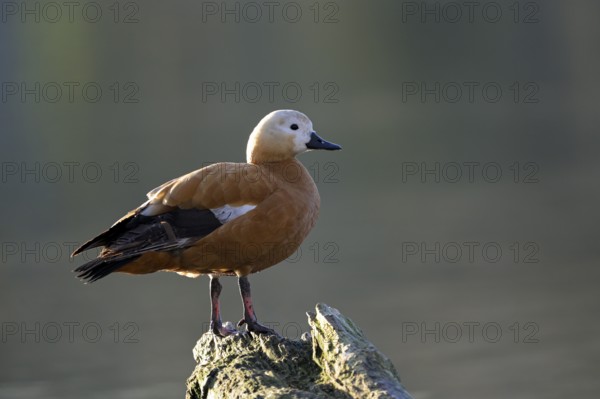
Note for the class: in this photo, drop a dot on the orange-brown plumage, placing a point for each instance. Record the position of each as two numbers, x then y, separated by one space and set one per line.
224 219
287 206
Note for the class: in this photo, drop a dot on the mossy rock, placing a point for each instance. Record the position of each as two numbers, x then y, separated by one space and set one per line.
334 361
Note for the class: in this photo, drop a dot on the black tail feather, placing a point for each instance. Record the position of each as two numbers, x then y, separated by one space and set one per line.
95 242
105 238
136 234
101 267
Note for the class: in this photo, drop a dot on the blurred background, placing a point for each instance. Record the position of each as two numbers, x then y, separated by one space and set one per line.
458 226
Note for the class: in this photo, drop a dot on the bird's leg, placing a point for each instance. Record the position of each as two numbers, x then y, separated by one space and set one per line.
216 325
249 315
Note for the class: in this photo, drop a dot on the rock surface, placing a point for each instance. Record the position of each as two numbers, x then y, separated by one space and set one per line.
336 361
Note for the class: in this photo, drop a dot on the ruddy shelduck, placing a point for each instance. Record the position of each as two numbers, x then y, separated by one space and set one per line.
226 219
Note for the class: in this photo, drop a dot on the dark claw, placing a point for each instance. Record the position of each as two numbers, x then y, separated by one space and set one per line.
222 331
256 327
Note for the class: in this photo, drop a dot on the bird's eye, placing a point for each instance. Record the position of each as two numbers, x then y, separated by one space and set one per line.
294 127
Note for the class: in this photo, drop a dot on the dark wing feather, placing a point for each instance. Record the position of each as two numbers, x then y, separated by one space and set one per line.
102 267
107 236
137 234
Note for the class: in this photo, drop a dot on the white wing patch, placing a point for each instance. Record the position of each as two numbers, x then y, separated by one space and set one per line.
153 209
227 213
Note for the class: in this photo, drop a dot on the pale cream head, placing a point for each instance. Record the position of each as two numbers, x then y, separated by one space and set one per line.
280 135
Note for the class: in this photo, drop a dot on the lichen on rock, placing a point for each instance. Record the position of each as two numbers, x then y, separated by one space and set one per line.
334 361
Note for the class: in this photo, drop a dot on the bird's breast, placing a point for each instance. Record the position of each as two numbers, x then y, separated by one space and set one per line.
264 236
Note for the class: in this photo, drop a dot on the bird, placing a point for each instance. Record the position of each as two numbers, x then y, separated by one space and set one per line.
225 219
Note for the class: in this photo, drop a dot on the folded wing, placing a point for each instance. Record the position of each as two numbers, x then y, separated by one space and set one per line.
176 215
